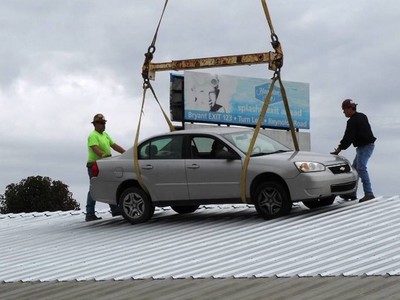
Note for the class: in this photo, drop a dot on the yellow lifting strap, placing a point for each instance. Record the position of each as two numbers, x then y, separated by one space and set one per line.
135 147
257 130
145 71
147 85
253 140
267 15
289 115
276 45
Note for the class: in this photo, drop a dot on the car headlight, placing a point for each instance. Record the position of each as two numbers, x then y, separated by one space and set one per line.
306 167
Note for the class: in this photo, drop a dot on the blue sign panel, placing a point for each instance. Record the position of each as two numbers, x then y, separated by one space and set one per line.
225 99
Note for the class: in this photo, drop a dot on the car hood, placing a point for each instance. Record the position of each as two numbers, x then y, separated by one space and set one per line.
327 159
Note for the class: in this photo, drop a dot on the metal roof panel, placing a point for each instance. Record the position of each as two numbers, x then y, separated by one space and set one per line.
229 241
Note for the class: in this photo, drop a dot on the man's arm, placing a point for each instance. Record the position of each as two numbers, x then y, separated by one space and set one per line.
349 134
96 149
118 148
347 138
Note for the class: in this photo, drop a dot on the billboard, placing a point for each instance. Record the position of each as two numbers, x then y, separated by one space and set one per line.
225 99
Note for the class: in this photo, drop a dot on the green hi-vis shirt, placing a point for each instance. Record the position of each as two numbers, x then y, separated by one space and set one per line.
102 140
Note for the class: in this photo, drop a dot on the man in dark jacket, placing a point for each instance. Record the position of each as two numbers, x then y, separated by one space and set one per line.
358 132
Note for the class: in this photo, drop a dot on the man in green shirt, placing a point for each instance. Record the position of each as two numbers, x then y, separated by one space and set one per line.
99 146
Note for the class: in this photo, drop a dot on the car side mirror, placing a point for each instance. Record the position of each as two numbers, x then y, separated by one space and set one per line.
226 155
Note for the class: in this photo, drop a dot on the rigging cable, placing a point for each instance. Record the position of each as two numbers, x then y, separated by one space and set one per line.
147 85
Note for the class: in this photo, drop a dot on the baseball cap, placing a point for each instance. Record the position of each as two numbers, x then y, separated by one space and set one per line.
348 103
99 118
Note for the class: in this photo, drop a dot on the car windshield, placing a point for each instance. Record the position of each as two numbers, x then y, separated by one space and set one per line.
264 145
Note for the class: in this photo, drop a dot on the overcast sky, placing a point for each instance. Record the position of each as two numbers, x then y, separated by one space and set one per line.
61 62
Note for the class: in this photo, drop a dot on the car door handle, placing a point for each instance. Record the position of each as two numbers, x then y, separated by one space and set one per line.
147 167
194 166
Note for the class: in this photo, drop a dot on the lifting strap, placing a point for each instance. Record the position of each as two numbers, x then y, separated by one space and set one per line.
147 85
135 148
267 15
276 45
145 71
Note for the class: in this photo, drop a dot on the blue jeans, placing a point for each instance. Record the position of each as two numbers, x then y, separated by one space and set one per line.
90 203
363 154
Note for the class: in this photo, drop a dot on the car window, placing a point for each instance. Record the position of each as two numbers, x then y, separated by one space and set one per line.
263 143
162 148
205 147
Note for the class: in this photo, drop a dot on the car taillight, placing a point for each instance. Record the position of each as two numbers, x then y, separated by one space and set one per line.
95 170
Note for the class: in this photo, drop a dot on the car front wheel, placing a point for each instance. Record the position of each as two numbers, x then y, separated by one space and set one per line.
136 206
272 200
320 202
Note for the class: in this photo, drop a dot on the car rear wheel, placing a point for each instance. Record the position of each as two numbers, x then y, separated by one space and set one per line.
136 206
320 202
272 200
185 209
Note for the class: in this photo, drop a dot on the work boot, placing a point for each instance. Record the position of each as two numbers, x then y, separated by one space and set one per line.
366 198
92 218
349 197
115 211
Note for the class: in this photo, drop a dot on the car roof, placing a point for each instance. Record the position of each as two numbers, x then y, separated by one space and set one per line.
212 130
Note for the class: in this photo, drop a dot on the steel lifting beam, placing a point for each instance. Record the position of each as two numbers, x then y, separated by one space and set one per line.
212 62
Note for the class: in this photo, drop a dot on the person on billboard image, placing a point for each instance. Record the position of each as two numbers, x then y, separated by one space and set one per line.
206 95
213 96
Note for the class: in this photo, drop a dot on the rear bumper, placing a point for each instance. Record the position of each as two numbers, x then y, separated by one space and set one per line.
103 191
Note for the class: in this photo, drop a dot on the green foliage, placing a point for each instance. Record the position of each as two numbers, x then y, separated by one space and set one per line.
37 194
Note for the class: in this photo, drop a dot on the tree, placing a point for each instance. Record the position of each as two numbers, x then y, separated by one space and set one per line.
37 194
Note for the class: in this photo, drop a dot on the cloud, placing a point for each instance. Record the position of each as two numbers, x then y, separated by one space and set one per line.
64 61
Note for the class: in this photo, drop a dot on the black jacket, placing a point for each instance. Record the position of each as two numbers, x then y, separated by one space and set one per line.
358 132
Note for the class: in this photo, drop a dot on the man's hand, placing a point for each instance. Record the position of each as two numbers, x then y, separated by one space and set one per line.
336 152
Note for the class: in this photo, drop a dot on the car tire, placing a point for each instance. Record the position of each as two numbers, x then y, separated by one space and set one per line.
326 201
136 206
185 209
272 200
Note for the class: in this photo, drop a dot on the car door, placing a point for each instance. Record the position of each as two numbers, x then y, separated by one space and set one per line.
163 168
208 175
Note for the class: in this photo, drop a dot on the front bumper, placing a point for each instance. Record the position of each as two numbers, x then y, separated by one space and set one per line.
316 185
338 189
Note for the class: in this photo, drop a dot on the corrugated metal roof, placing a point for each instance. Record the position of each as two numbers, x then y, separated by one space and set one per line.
347 239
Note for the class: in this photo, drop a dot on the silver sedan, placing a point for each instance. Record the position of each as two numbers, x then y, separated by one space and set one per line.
188 168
